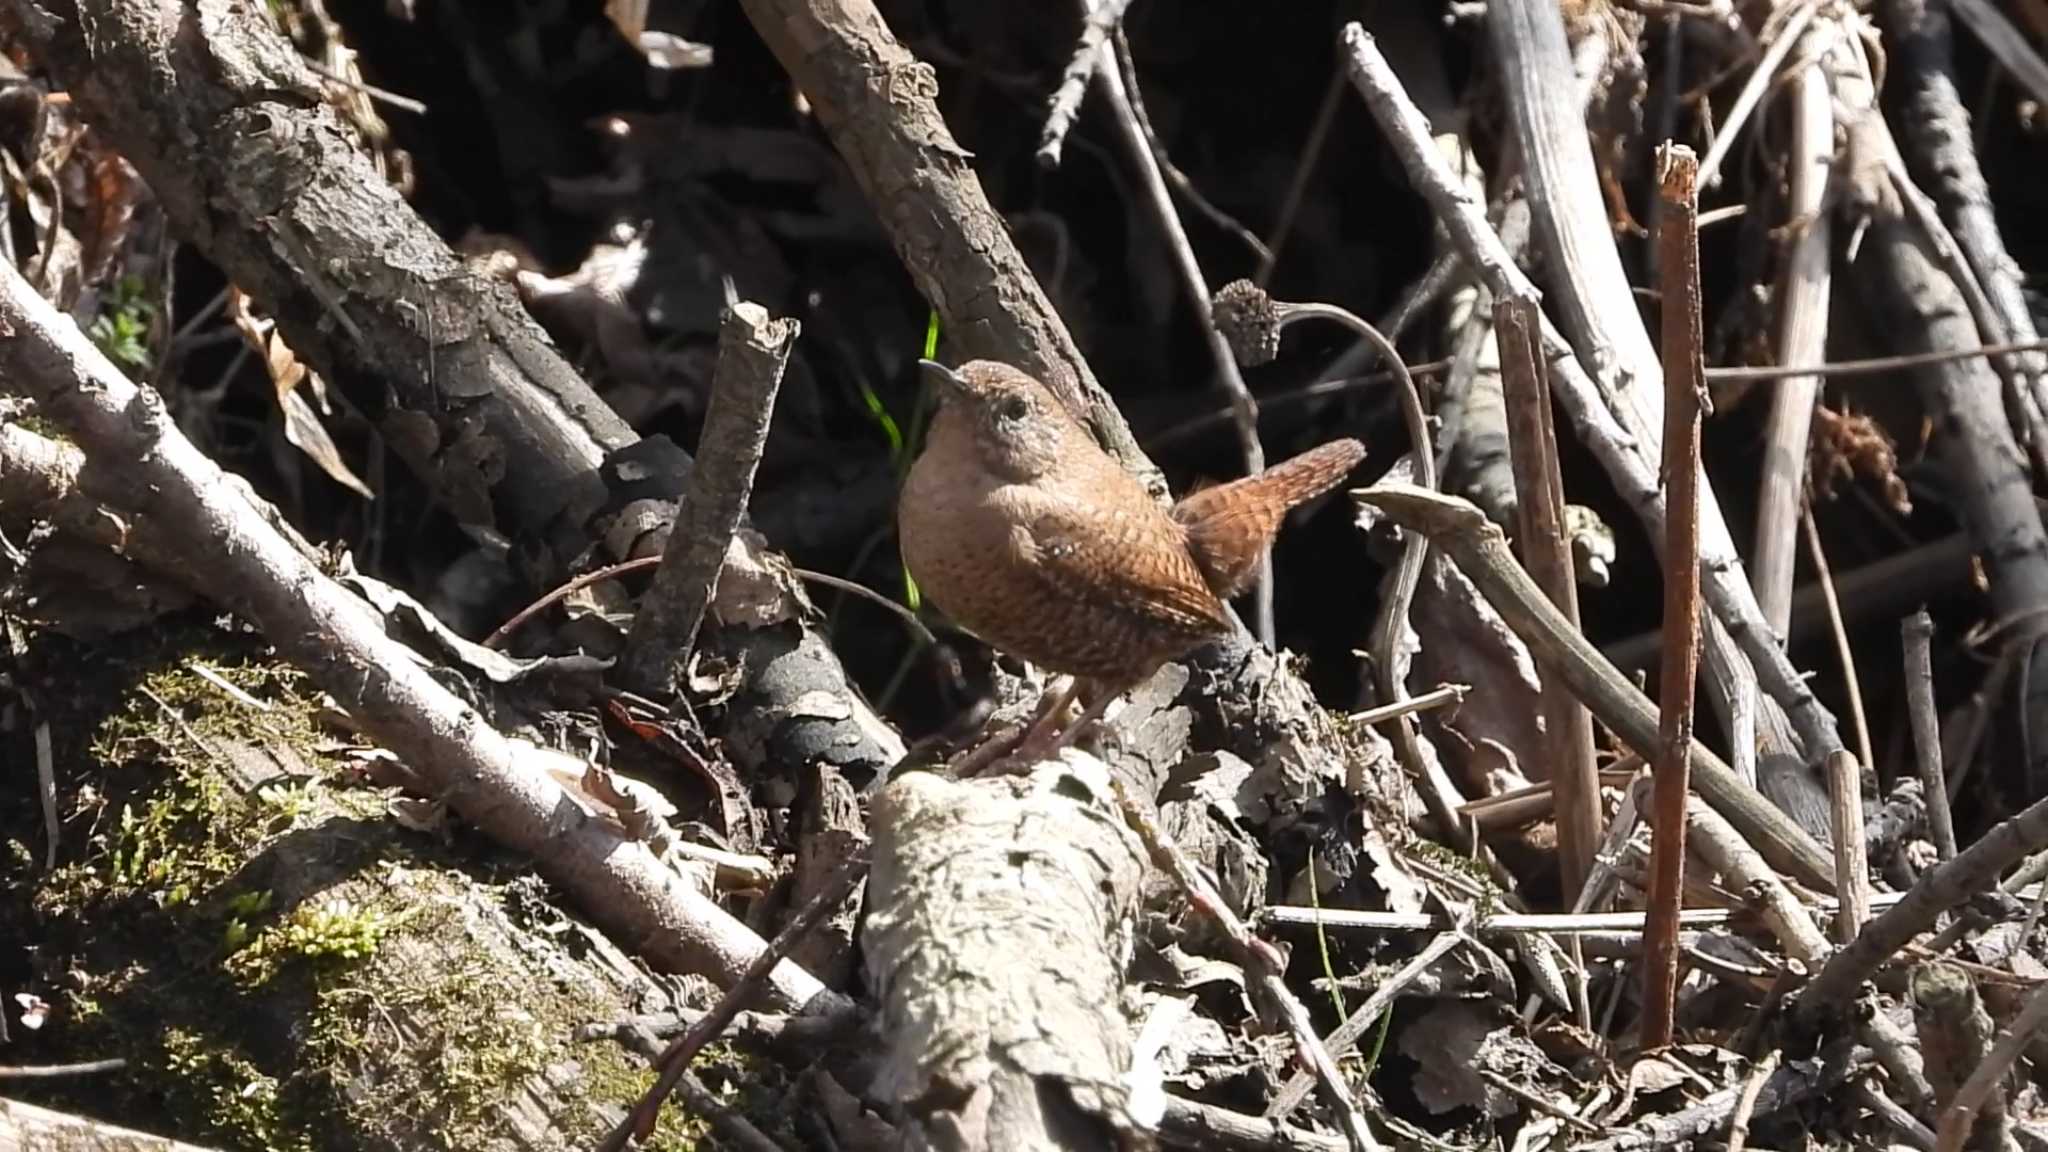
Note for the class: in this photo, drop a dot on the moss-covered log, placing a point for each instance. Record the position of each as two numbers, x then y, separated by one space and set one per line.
282 964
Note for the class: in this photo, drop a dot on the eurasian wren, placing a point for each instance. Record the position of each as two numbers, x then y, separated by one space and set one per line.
1024 531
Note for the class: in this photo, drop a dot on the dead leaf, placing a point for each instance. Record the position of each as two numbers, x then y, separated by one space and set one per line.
112 192
1446 1042
1404 892
1652 1075
302 426
757 588
418 814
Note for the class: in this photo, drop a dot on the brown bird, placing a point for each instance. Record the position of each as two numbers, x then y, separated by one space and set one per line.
1019 526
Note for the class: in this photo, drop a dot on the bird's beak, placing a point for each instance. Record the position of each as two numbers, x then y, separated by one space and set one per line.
944 380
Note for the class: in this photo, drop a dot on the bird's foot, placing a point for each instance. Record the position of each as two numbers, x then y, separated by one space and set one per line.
978 759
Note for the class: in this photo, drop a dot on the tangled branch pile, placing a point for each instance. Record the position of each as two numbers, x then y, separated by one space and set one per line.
429 752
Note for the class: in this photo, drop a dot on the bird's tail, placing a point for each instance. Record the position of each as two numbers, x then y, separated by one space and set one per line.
1231 525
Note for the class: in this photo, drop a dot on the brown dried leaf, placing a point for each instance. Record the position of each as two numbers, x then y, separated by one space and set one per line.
113 189
302 426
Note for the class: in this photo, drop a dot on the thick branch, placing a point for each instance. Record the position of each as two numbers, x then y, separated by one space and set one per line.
753 349
141 462
879 104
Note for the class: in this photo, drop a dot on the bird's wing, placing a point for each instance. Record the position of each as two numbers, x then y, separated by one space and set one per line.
1117 561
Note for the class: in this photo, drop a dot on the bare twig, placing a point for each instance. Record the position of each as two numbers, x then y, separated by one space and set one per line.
1760 78
1066 99
1825 581
1745 1105
1802 337
1961 1116
1448 694
1532 443
572 586
1167 168
1244 410
1193 1124
59 1071
1531 802
675 1059
1482 554
1894 1116
1576 923
1276 401
1942 888
1684 396
1743 869
1297 185
402 103
1845 821
753 350
1917 636
1261 963
725 1120
1876 365
1367 1014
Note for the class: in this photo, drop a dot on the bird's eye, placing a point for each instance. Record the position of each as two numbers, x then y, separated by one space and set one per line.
1012 408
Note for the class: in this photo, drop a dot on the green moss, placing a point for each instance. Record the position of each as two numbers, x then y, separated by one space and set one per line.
152 898
617 1078
229 1097
334 932
465 1040
263 974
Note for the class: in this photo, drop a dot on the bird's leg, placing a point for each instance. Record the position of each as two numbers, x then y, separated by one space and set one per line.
1052 708
1049 719
1089 715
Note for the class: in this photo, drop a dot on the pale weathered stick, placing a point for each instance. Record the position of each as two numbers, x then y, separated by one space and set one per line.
1066 99
1802 331
1595 406
1852 863
1481 552
1743 870
1917 636
1539 505
1975 870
